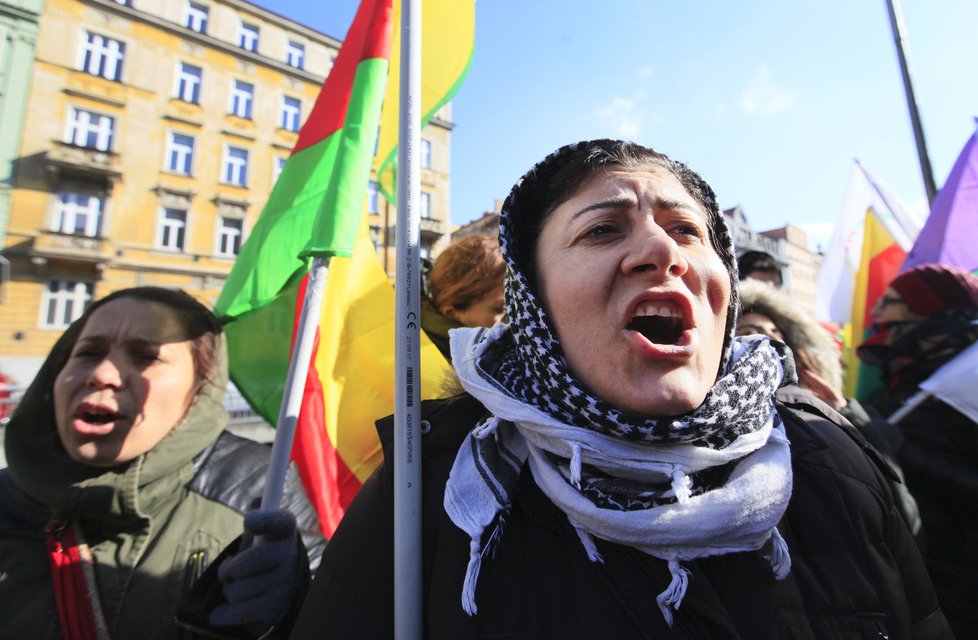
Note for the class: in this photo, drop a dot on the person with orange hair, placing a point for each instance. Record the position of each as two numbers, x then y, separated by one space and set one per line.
465 289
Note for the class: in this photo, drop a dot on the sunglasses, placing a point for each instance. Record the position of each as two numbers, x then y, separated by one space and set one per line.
886 301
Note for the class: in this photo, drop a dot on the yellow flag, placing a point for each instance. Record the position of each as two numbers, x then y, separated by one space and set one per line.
447 42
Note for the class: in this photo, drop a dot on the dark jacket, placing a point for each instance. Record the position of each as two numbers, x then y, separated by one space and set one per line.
870 430
937 447
153 524
855 570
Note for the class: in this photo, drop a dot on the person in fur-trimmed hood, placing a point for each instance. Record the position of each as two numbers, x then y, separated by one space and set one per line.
619 465
771 312
819 368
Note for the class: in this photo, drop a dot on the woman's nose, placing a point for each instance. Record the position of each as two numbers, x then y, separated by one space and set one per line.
876 309
652 249
105 374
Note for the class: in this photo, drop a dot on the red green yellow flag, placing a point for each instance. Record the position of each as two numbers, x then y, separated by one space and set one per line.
351 377
880 262
316 203
316 212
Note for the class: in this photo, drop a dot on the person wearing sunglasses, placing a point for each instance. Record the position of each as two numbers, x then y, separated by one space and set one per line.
926 318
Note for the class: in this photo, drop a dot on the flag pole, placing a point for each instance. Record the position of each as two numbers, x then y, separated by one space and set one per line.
407 339
896 25
915 401
295 382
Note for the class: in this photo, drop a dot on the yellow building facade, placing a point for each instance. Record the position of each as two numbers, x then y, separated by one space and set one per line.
155 131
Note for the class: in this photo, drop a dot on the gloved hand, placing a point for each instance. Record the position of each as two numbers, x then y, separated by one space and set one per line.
260 582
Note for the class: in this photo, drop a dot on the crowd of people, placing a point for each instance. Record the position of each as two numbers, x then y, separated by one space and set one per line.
649 440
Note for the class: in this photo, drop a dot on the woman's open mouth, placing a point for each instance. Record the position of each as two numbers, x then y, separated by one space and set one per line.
95 420
660 322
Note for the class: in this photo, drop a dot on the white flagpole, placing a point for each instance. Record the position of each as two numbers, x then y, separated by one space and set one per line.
295 383
407 340
915 401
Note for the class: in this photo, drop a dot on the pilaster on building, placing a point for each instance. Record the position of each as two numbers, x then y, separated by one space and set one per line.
153 133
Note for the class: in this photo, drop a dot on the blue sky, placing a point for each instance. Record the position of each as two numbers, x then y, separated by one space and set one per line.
769 101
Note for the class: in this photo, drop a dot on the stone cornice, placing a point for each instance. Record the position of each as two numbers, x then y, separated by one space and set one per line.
227 47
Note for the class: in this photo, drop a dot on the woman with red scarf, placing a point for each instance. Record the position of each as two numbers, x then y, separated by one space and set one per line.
925 318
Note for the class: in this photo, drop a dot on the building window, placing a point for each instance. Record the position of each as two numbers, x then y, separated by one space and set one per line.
87 129
102 56
425 203
172 230
79 213
242 95
248 37
295 54
277 169
196 17
425 154
180 154
291 113
188 83
424 250
63 302
235 166
229 236
372 201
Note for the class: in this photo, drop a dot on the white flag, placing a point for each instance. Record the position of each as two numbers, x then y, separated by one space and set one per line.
836 282
956 383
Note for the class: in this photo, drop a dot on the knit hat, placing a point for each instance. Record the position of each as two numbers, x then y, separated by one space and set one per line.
554 180
930 289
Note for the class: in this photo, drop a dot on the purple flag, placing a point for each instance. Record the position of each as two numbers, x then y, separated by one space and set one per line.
950 233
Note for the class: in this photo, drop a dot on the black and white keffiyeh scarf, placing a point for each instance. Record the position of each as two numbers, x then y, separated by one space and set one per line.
713 481
680 497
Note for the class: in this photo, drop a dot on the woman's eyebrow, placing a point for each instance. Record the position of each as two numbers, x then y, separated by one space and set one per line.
617 202
625 201
676 205
89 340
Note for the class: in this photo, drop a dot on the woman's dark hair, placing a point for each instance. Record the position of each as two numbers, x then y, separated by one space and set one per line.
467 271
561 174
751 261
202 326
557 178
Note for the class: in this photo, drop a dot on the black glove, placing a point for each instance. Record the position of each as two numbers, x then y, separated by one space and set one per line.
260 582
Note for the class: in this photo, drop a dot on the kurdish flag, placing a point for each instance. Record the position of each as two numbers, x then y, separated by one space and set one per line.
879 263
315 205
350 380
351 377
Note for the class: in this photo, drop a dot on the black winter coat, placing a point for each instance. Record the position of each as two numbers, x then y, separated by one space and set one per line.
937 447
855 570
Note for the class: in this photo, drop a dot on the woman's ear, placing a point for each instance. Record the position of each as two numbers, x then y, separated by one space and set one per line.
448 311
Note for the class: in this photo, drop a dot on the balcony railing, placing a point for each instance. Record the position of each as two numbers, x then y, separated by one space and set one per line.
53 244
68 157
431 226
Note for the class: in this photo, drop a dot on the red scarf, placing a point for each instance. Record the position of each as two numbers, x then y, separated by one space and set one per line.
73 578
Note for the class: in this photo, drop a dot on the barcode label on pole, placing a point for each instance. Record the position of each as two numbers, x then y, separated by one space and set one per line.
410 386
